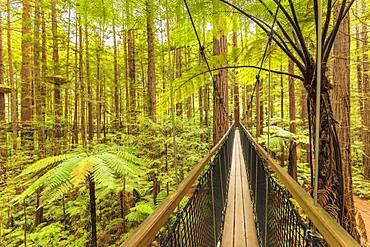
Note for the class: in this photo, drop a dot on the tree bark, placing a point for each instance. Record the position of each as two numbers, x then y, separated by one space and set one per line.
116 86
220 93
178 59
366 93
236 85
77 89
282 149
82 89
132 77
39 103
292 167
341 110
90 109
26 92
58 133
12 82
259 108
151 61
3 135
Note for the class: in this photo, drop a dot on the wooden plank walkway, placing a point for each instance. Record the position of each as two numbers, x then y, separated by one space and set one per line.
239 227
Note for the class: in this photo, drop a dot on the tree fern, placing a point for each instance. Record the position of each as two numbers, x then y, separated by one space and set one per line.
64 172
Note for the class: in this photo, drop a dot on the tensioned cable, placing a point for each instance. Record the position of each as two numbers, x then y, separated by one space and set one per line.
202 52
265 53
201 48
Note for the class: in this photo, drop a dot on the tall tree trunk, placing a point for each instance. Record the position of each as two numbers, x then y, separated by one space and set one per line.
359 70
77 88
66 90
366 93
89 86
116 86
292 167
132 76
58 133
178 58
220 94
151 61
26 92
38 100
82 89
282 149
12 82
98 85
3 135
259 108
236 86
341 110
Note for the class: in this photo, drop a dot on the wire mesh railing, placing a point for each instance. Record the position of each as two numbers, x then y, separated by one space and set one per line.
200 221
277 219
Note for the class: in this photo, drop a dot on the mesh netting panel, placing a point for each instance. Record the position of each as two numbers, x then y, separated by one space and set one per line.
200 222
278 222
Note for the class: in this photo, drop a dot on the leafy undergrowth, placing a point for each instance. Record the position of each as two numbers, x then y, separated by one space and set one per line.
361 186
67 216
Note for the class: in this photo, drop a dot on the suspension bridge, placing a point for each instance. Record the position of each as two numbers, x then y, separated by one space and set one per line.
241 197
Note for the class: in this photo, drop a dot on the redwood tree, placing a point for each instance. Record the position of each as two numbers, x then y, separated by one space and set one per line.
26 92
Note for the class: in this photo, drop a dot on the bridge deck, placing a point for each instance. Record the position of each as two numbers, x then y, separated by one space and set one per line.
239 228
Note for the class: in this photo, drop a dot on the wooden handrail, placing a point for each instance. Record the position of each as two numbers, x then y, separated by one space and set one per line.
147 231
334 234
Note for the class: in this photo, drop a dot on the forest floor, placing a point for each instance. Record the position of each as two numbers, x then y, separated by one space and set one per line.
363 206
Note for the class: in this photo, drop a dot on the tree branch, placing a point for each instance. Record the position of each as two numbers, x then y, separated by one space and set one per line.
257 21
290 40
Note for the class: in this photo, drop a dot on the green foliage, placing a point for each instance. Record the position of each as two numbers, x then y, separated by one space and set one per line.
64 172
140 212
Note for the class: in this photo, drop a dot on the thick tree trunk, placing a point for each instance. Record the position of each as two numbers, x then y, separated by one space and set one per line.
341 110
359 70
151 62
26 93
58 133
39 104
331 176
292 167
3 135
366 93
220 93
12 83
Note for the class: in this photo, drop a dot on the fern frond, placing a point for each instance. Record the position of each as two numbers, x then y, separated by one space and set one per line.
102 174
126 154
32 189
45 163
62 174
119 166
82 170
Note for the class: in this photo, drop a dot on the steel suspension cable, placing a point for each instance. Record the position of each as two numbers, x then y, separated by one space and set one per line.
265 53
201 48
202 52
